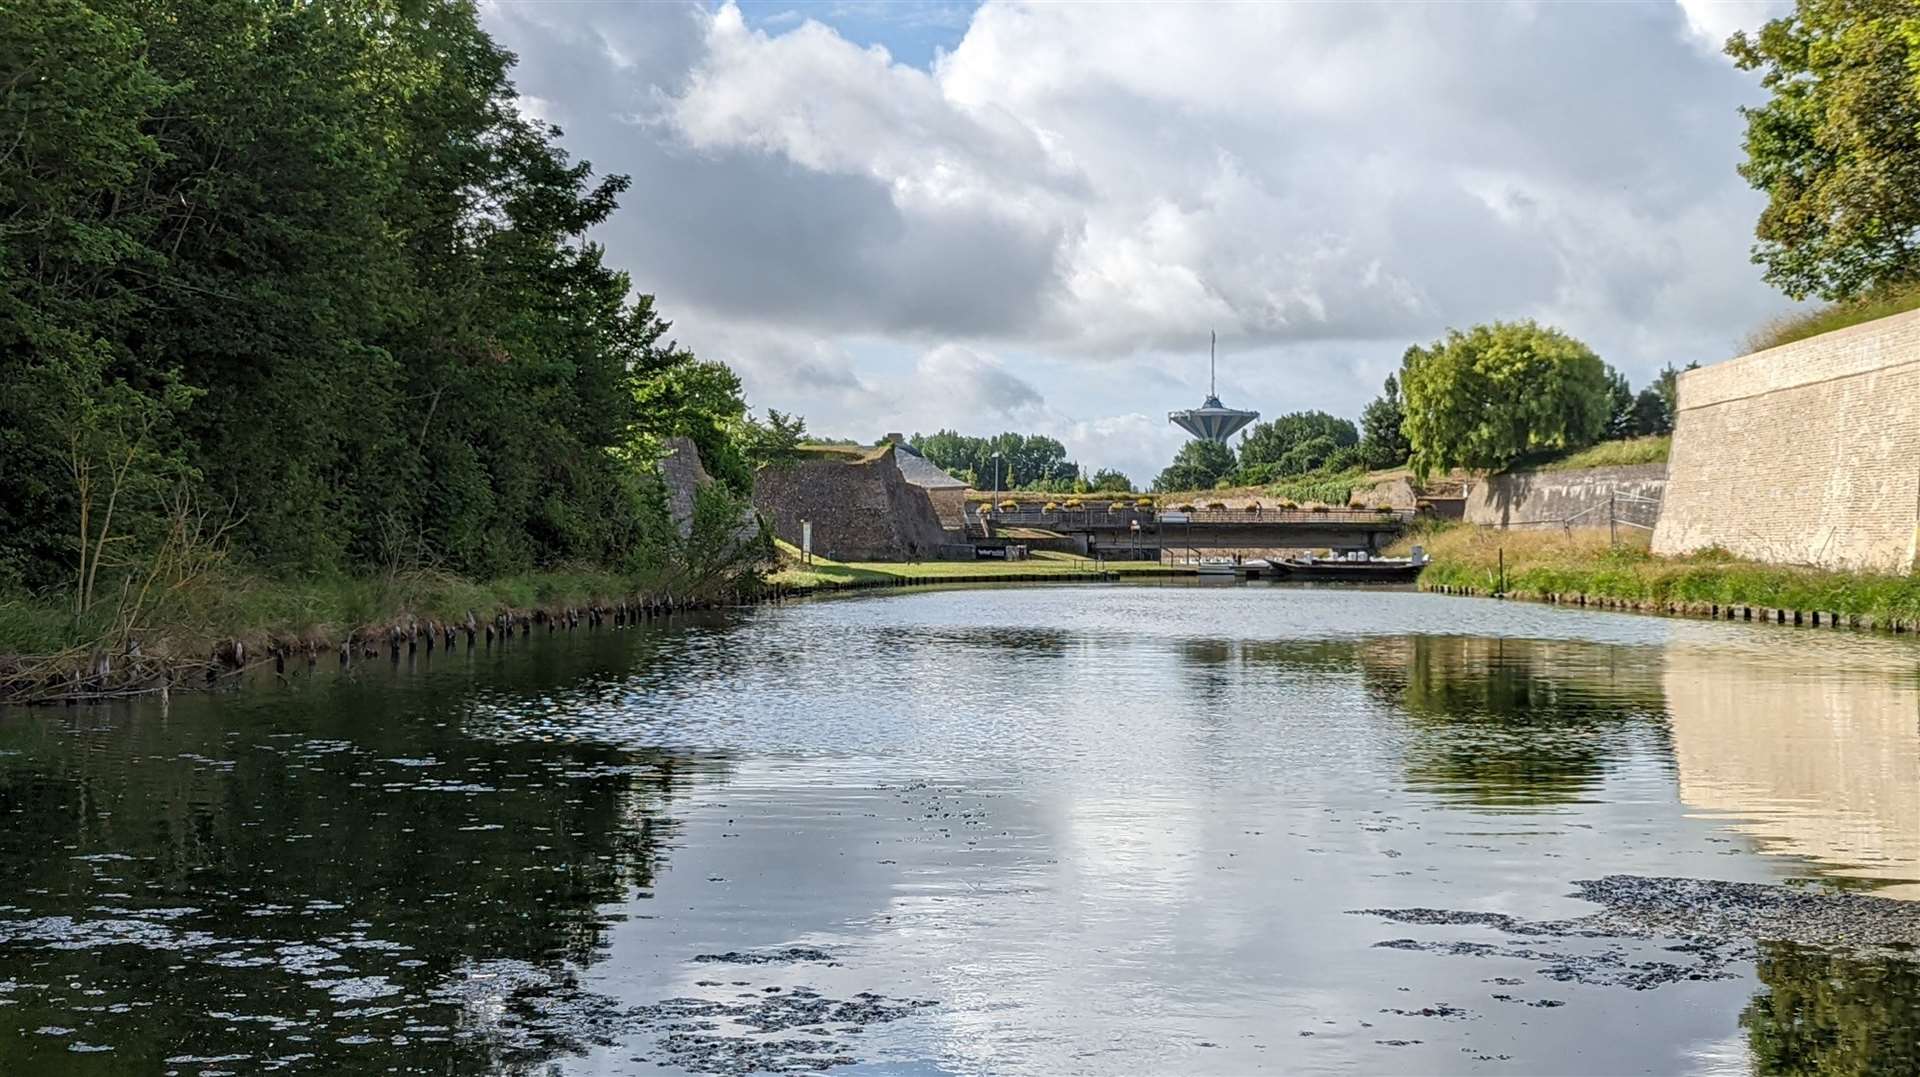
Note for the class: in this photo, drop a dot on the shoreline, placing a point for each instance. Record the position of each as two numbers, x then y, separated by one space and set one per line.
1589 569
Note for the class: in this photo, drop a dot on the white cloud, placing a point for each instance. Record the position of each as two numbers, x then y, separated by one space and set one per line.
1077 188
1712 22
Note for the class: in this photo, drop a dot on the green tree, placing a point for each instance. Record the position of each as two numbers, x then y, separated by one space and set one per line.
1382 443
1281 443
1197 466
1622 421
1836 147
312 260
1484 397
1107 480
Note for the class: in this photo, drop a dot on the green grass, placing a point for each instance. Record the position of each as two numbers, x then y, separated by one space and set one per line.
1552 561
1885 302
236 605
1652 449
826 574
1325 488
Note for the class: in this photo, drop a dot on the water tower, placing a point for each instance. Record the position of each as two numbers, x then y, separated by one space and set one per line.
1212 421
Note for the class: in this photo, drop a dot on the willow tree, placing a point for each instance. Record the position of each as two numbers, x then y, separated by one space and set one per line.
1484 397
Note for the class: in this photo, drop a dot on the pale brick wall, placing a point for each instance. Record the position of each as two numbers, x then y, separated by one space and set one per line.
1808 453
1584 496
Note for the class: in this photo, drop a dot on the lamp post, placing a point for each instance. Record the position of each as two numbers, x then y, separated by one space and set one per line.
996 478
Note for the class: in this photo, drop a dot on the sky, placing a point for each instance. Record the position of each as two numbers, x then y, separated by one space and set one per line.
895 217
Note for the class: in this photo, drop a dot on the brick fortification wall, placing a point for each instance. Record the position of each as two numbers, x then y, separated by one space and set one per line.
1808 453
861 510
1550 498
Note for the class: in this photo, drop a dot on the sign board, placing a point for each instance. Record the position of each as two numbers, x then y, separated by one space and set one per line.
989 553
1175 518
806 541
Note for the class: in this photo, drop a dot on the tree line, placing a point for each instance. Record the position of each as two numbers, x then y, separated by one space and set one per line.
1031 462
1484 399
301 277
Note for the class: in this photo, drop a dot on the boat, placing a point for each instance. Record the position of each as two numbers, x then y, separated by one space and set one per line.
1352 566
1214 566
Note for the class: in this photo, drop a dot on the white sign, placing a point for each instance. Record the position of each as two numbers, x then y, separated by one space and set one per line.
1174 518
806 541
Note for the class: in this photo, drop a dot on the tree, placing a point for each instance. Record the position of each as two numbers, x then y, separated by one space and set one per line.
1483 397
1622 421
774 441
1107 480
1197 466
1382 444
314 262
1279 443
1024 461
1836 148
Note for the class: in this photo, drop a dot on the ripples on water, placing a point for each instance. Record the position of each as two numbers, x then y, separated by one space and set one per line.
1040 830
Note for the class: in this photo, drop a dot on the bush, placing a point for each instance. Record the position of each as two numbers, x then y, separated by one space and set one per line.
1009 505
1074 504
1321 508
1216 506
1186 508
1050 507
1143 502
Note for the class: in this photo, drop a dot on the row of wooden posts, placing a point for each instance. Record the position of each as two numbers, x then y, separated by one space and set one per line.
1711 610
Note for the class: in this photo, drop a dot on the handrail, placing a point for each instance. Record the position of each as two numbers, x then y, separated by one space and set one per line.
1101 520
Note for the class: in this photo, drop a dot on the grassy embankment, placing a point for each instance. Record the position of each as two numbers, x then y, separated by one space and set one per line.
1890 300
42 641
1554 562
827 575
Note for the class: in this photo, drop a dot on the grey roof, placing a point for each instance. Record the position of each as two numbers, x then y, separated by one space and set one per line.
922 472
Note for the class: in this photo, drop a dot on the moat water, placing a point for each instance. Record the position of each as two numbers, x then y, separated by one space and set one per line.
1046 830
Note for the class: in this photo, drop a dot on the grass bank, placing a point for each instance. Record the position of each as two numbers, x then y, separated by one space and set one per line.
1885 302
825 575
1555 562
230 619
1652 449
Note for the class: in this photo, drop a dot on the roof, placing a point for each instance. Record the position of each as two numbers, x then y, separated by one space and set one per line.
923 472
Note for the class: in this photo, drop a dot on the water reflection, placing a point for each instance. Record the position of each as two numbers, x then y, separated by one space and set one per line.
1826 1015
1514 723
301 897
1813 759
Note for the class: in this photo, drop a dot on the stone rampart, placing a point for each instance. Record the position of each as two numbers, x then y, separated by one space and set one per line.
1578 498
1808 453
861 508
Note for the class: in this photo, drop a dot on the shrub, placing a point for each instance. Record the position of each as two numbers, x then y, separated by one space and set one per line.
1186 508
1321 508
1357 505
1383 508
1216 506
1074 504
1144 502
1288 506
1117 506
1050 507
1009 505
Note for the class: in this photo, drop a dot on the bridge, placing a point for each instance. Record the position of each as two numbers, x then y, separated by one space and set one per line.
1102 530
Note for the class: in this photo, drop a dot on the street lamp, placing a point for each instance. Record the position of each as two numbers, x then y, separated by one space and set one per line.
996 478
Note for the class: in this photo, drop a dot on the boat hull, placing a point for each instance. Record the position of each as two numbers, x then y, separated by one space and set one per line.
1347 571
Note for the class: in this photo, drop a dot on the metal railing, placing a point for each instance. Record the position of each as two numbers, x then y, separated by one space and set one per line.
1082 519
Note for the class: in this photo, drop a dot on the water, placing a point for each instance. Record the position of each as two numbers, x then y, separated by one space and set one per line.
1041 830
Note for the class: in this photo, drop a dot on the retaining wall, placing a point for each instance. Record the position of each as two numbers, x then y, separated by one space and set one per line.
861 511
1528 499
1808 453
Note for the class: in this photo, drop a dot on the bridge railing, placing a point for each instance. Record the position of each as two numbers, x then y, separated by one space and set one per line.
1079 520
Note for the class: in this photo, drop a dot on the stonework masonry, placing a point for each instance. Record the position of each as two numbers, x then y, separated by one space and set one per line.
862 510
1583 497
1808 453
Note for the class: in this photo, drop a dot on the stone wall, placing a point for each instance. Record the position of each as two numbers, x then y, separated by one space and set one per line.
1530 499
861 510
1808 453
